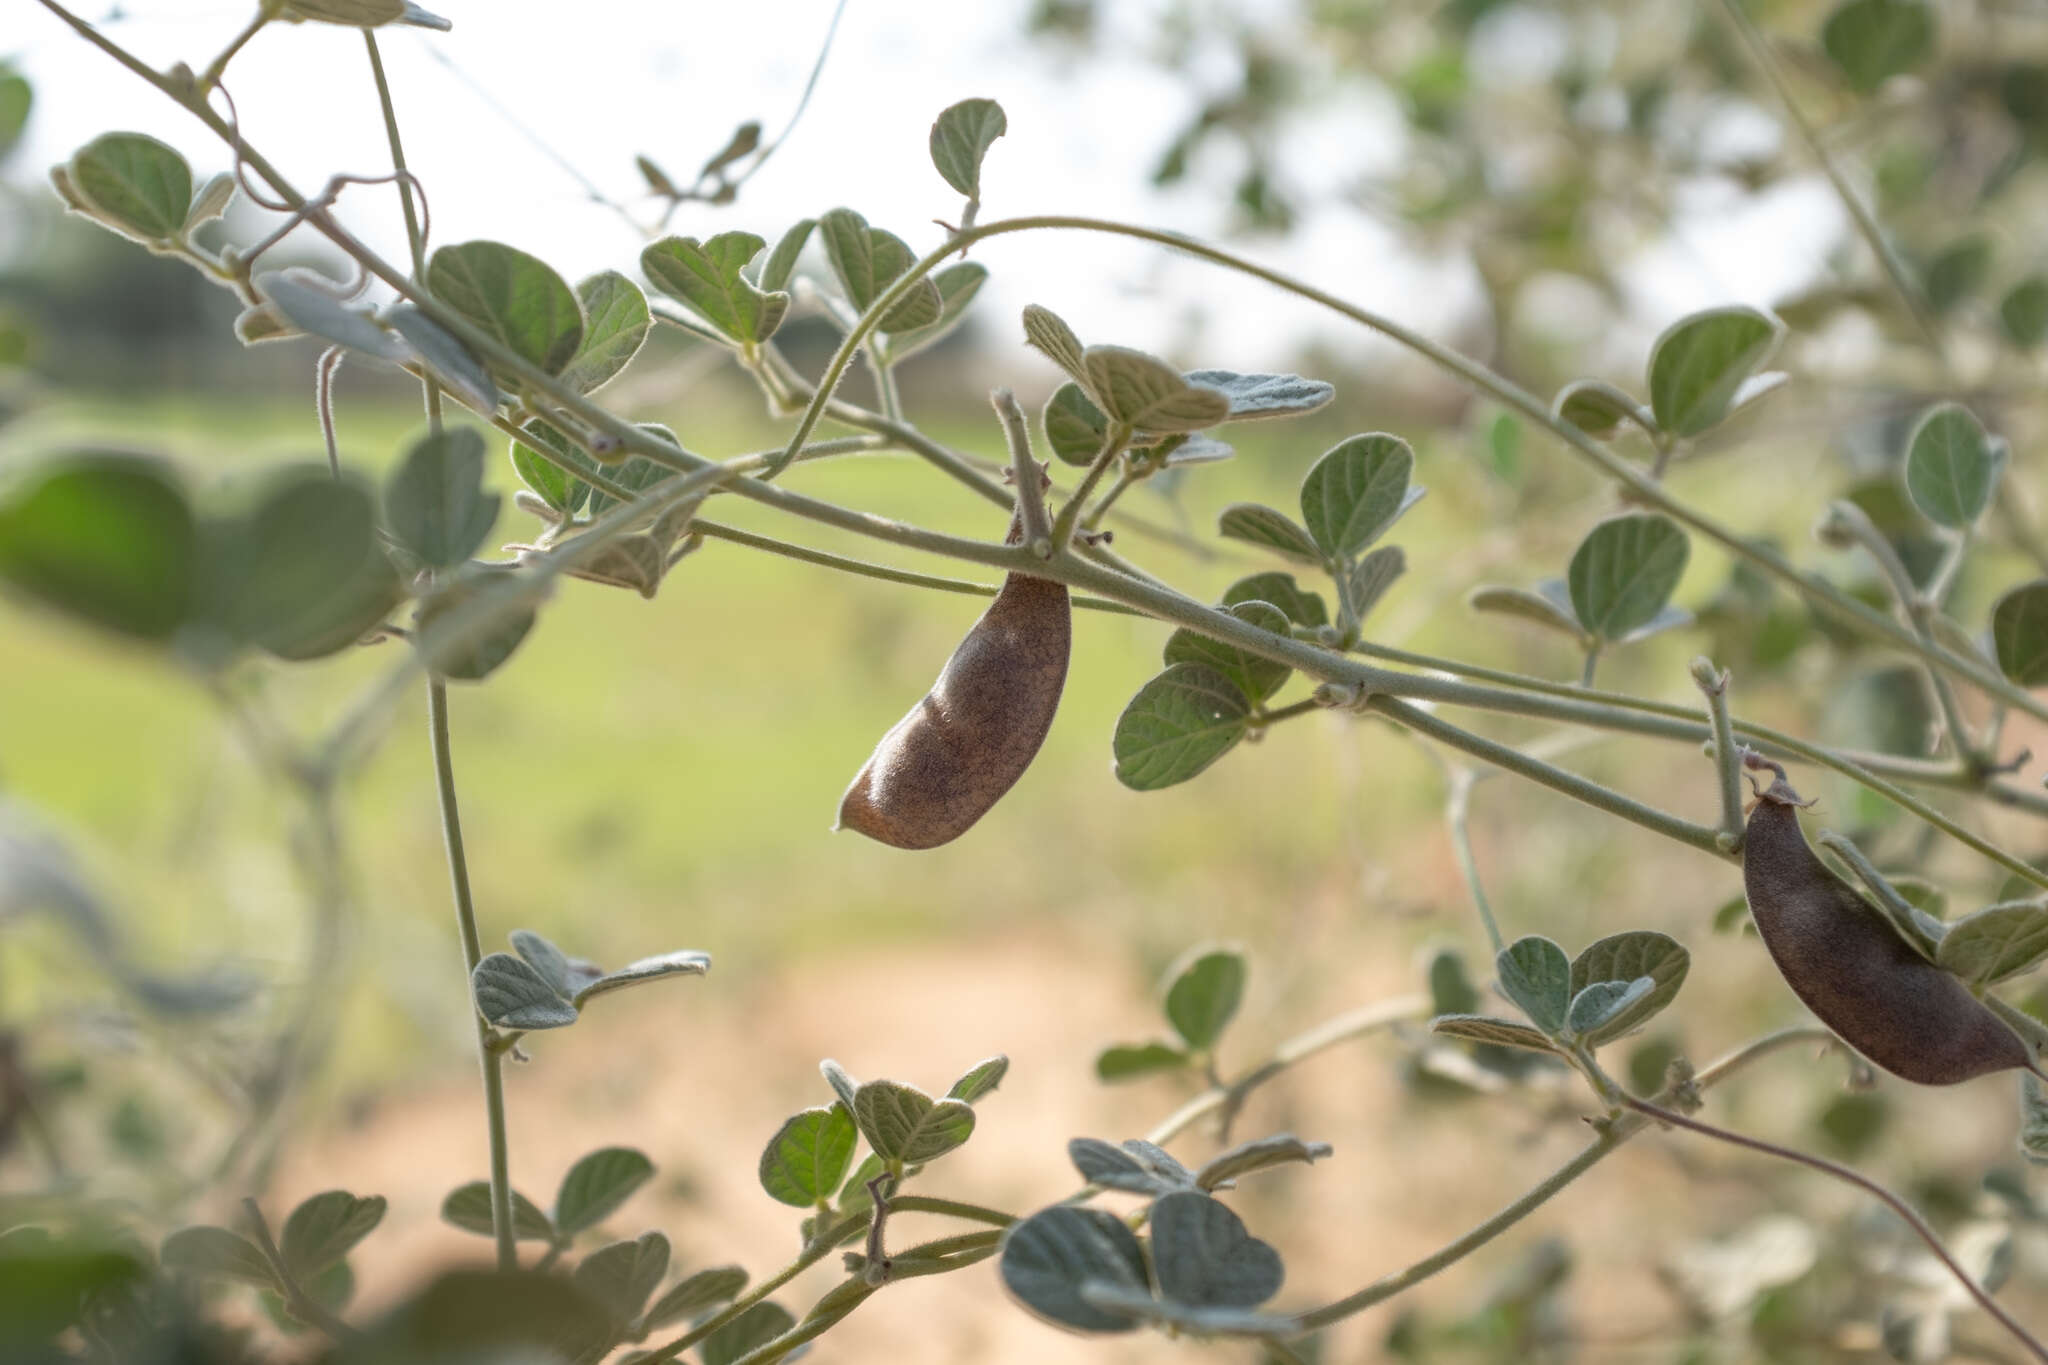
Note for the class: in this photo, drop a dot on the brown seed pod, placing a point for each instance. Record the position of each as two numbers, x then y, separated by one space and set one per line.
1850 966
973 735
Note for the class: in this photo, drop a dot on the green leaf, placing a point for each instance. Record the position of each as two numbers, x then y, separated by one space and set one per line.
957 285
1045 330
1144 393
348 611
980 1080
134 184
1604 1001
808 1157
853 1195
1254 397
2024 312
481 654
1177 725
16 98
291 569
1356 491
1625 571
2019 632
781 263
447 358
477 1315
326 1228
1549 605
511 994
596 1185
1593 406
349 13
902 1123
1957 271
622 1274
514 298
300 296
545 958
617 324
1206 990
1301 607
1203 1256
1282 1149
555 485
961 137
707 277
1997 942
1874 40
752 1329
1128 1061
744 139
843 1085
434 502
1952 466
109 539
1536 975
210 203
1267 527
469 1207
1369 579
1048 1257
2033 1119
867 261
1450 986
683 962
216 1251
1484 1028
1258 678
1626 957
1700 361
1118 1168
1074 427
694 1293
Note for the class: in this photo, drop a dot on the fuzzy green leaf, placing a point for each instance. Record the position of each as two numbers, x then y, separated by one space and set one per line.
514 298
1700 361
961 137
1177 725
1625 571
1356 491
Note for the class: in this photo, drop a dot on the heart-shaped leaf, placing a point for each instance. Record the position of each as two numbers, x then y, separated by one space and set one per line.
434 503
1257 524
1873 40
1205 989
1127 1061
1997 942
1302 607
325 1228
299 295
554 965
1624 571
1048 1257
2019 633
1625 957
514 298
902 1123
1257 396
684 962
980 1080
1603 1001
511 994
706 276
1484 1028
1700 361
1259 678
748 1332
622 1274
1282 1149
1536 975
867 261
109 539
1593 406
1370 577
961 137
1074 427
1203 1256
1177 725
596 1185
1114 1168
693 1294
1549 606
216 1251
469 1207
808 1156
617 324
1045 330
134 184
1356 491
1952 466
1144 393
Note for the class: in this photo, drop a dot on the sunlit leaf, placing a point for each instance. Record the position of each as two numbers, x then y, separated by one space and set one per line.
961 137
512 297
1700 361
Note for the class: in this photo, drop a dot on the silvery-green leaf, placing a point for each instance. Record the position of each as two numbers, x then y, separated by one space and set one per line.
694 1293
1205 989
1756 388
618 322
867 261
1625 571
1551 608
469 1207
210 203
1593 406
781 264
1536 975
1113 1168
134 184
1302 607
807 1158
1625 957
1700 361
1997 942
1259 677
1267 527
1045 330
511 994
1255 396
1177 725
1603 1002
1202 1255
1371 576
980 1080
707 277
681 963
1183 1317
596 1185
1144 393
1074 427
1246 1157
1048 1257
544 957
514 298
1952 466
2033 1119
1356 491
446 358
1667 618
216 1251
350 13
325 1228
904 1124
1484 1028
1198 448
961 137
261 322
2019 633
622 1274
843 1085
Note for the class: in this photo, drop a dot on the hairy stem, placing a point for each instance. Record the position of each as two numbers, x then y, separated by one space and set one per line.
1713 685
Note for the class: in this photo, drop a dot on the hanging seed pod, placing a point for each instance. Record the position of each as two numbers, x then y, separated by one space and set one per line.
1850 966
970 739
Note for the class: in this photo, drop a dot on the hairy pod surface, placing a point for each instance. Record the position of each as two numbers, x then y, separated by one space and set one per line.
967 742
1851 967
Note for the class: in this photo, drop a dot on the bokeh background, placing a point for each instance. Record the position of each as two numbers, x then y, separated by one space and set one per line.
1545 186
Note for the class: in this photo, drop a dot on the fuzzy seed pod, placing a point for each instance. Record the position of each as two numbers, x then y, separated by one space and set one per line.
972 736
1853 970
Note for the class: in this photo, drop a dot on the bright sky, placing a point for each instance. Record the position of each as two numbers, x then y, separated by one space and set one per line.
601 80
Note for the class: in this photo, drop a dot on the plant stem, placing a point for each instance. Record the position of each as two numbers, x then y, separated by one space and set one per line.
472 953
1713 685
952 1208
1113 442
265 12
1032 526
1862 1182
1457 810
414 237
1125 478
